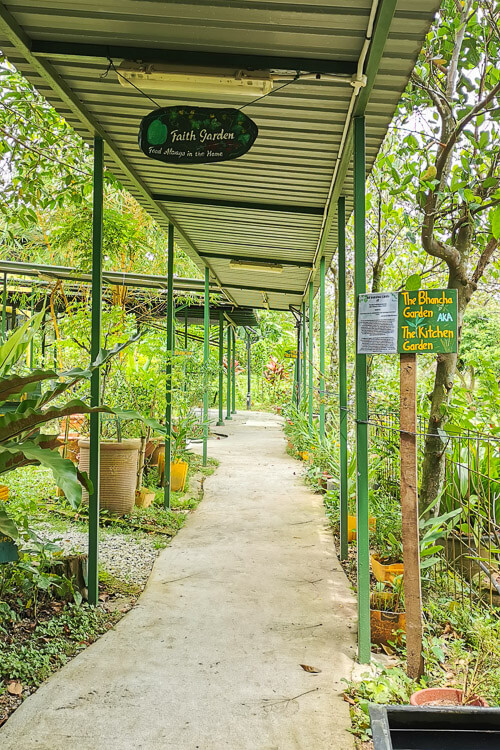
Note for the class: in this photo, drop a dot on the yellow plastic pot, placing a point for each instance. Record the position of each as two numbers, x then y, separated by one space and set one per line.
351 527
385 573
178 474
4 492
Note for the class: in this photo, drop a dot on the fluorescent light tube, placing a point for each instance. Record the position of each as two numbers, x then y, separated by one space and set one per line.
170 79
246 265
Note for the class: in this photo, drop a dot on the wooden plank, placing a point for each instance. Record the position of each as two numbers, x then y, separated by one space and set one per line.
409 513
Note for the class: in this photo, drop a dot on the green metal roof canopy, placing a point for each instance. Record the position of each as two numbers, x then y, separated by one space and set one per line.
277 203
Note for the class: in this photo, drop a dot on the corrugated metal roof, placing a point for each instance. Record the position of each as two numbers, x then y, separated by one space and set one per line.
62 46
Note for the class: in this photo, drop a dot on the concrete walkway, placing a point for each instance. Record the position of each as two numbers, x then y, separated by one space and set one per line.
210 657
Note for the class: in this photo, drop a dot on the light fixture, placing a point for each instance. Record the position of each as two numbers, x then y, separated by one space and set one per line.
195 80
247 265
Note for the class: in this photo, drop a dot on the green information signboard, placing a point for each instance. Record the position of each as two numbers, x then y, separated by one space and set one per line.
427 321
8 550
418 322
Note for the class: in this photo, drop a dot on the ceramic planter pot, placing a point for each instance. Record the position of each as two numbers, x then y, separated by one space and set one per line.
352 523
385 573
444 697
384 625
118 474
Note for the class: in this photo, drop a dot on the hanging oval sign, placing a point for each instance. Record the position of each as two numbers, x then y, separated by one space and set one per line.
196 135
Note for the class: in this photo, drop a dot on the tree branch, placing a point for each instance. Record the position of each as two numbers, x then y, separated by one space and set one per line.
484 259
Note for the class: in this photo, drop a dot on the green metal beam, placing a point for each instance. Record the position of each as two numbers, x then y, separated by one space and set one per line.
311 353
342 317
168 367
95 380
322 323
206 354
221 369
255 259
288 208
238 61
233 371
362 528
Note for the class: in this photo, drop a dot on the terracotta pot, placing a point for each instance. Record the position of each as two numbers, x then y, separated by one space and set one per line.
69 448
118 474
352 523
385 573
444 697
384 625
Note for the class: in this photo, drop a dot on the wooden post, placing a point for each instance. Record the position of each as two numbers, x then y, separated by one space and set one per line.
409 513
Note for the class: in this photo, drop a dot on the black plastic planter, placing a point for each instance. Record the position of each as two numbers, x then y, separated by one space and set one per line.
457 727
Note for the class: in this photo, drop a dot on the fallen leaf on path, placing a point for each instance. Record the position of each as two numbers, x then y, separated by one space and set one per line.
348 699
307 668
388 650
14 687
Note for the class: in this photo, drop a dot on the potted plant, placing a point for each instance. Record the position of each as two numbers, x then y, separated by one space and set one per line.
352 523
387 614
187 425
385 568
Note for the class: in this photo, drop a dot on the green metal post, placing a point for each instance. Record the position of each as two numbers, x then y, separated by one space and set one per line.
233 370
304 353
311 351
4 307
228 373
322 395
221 369
361 400
206 350
168 367
32 342
298 364
185 349
95 380
249 371
344 499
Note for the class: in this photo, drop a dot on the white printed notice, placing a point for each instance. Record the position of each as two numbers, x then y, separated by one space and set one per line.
378 323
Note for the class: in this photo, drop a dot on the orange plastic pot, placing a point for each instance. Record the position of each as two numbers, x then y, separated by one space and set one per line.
351 527
385 573
385 626
444 697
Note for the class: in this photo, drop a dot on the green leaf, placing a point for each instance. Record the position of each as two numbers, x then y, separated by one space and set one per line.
63 470
7 525
26 418
495 222
413 283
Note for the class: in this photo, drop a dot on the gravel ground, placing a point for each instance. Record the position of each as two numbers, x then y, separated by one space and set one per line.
124 556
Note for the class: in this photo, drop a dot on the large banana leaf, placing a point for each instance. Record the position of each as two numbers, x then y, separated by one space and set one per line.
63 470
18 342
27 418
7 525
